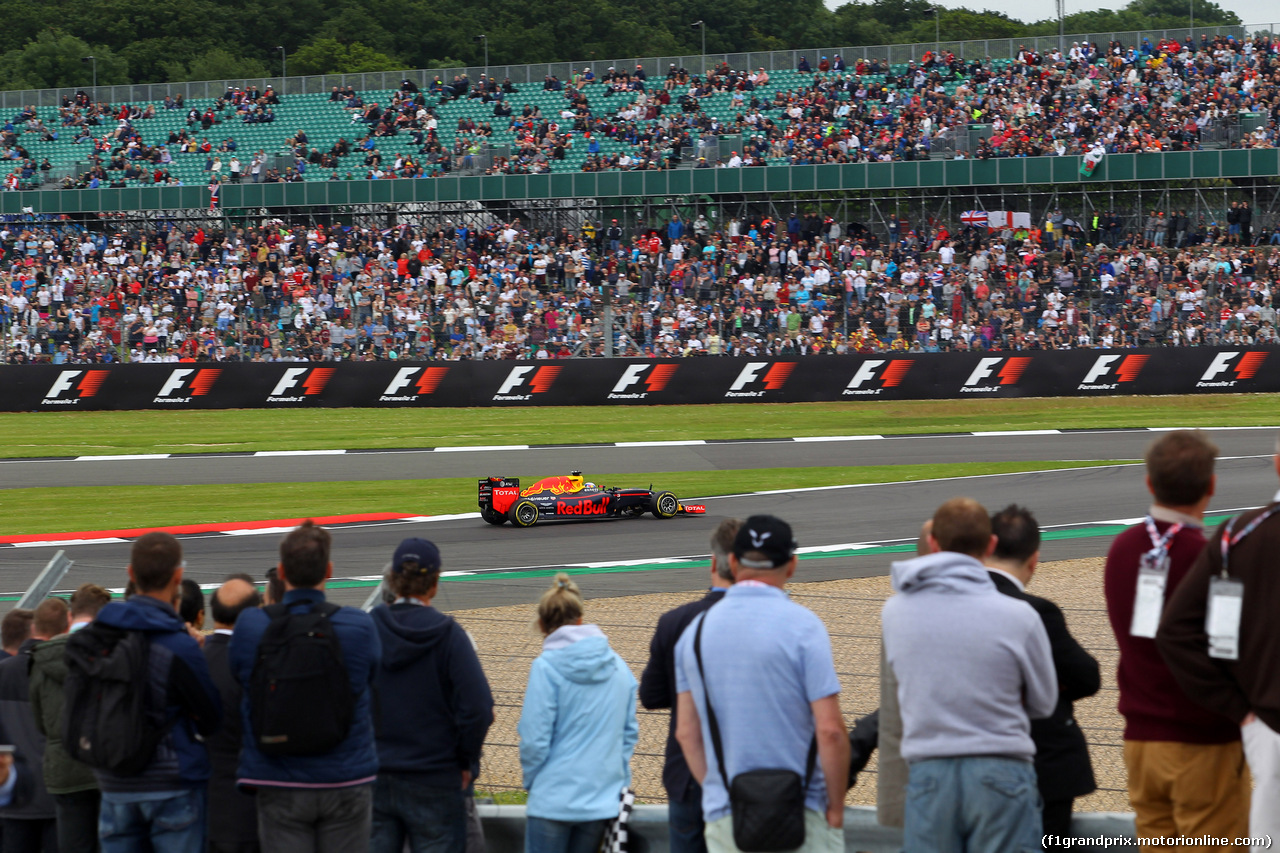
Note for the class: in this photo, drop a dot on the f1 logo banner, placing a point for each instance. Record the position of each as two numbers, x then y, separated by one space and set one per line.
638 382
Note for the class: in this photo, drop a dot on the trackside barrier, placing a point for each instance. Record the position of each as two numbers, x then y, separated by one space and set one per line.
46 582
504 830
596 381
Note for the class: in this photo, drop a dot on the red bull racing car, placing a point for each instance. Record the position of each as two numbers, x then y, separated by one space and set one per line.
502 500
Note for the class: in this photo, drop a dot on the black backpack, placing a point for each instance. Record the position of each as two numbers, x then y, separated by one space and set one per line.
300 699
108 719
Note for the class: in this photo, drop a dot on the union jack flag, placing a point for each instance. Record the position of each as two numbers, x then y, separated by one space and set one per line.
974 217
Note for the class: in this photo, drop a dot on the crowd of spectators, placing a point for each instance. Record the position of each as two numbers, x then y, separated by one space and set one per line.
1169 96
1166 96
804 285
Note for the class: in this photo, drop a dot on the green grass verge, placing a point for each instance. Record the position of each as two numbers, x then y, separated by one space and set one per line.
504 798
58 510
97 433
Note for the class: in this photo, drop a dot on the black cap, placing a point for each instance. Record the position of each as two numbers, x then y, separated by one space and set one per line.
419 551
765 535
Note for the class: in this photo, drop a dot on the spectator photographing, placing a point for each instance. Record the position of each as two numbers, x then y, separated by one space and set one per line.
30 825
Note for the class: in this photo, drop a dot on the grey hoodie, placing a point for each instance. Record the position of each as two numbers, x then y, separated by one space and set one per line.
973 666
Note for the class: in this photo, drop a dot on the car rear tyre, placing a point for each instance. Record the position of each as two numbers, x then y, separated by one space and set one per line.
524 514
665 505
492 516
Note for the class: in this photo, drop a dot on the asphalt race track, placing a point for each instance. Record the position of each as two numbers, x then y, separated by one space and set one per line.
851 516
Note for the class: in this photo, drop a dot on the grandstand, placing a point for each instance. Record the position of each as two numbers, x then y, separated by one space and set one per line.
179 136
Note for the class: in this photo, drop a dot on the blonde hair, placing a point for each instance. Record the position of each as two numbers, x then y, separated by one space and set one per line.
560 605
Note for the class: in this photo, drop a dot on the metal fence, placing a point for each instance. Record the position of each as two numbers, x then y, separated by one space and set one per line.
653 66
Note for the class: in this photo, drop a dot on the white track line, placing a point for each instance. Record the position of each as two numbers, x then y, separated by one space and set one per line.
814 439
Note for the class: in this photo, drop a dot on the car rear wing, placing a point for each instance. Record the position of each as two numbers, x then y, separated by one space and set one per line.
499 492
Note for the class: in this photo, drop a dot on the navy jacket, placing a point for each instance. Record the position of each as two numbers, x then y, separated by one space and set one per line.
18 727
180 683
355 760
434 702
658 689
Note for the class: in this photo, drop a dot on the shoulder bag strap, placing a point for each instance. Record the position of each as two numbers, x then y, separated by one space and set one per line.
716 744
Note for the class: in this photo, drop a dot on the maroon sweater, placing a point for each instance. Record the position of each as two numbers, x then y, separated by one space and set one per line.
1151 702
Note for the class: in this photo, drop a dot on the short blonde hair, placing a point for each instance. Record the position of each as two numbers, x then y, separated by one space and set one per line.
560 605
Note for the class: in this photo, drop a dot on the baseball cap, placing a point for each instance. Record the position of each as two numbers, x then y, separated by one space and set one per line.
419 551
766 535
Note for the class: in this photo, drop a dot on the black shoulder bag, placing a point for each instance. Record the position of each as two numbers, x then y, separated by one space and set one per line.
767 805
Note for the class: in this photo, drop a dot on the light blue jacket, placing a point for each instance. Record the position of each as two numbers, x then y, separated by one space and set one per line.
578 727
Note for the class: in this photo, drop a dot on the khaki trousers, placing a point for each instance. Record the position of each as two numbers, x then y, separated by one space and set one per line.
1187 789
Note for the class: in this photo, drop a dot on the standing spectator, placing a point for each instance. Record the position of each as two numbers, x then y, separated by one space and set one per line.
1233 671
163 808
577 728
658 690
30 825
233 814
312 802
76 799
973 667
15 629
435 708
758 667
1063 769
1185 764
191 605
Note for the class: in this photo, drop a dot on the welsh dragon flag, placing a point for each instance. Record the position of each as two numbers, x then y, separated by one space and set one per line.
1091 161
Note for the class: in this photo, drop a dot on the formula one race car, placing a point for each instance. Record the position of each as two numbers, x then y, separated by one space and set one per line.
502 500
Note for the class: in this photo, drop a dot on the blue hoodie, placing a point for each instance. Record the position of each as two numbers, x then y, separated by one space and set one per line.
973 665
181 684
434 703
578 727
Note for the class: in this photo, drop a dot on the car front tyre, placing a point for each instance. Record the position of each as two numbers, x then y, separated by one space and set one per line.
665 505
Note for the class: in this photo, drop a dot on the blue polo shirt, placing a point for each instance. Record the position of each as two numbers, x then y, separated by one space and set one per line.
766 659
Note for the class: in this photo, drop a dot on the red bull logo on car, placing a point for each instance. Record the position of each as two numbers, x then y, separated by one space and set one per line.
586 506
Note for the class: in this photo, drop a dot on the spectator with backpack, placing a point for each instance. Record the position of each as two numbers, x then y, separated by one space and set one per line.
74 787
138 698
308 741
577 729
435 708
